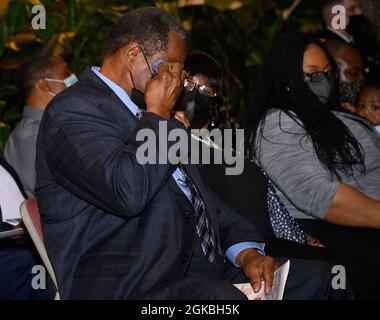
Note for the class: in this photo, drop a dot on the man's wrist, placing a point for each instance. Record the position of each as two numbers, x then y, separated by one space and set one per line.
245 254
161 113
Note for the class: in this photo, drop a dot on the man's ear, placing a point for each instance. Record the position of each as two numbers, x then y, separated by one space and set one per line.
42 85
350 107
132 51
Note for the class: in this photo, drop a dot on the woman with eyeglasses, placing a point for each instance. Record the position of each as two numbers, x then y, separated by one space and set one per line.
204 103
204 100
323 162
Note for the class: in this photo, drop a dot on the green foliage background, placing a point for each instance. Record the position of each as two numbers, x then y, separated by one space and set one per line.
236 33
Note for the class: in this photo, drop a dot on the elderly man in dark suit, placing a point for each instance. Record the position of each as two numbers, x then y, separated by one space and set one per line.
119 229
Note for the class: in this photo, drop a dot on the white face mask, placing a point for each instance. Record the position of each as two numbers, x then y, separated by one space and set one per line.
69 81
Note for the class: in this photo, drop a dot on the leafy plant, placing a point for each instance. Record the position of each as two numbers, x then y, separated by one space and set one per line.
236 33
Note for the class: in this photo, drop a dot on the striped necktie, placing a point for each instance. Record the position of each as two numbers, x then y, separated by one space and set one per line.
209 242
140 113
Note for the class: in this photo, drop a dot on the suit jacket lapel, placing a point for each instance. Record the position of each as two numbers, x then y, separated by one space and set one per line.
88 77
93 80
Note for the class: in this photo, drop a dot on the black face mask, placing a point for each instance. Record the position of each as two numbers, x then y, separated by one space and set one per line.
198 108
323 89
349 92
355 26
137 96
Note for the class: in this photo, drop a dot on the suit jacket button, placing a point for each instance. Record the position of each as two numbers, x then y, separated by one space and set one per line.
185 259
189 215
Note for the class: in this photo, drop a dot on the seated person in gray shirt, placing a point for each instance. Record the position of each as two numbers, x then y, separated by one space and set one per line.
323 161
41 78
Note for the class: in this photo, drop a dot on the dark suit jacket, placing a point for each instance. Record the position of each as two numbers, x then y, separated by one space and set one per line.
245 193
328 35
13 173
116 229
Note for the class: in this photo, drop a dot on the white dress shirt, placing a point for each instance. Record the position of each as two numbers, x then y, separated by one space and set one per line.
10 198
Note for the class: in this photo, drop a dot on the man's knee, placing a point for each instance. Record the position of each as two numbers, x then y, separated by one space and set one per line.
312 280
227 292
206 289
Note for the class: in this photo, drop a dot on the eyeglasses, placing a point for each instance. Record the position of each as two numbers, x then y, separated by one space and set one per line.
319 76
203 89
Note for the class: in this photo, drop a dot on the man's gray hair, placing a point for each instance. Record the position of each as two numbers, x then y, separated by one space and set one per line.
147 26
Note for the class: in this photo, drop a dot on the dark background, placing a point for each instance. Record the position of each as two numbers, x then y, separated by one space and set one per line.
236 33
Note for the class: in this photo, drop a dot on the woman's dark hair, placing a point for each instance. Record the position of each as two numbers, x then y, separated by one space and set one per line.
281 86
202 64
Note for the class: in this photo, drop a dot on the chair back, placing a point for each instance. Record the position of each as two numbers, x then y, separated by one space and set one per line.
31 218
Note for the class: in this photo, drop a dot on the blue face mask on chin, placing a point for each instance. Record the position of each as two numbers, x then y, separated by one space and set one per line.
68 82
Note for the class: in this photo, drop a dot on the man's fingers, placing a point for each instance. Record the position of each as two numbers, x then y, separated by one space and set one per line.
255 279
180 116
163 67
171 72
148 84
183 75
176 69
268 274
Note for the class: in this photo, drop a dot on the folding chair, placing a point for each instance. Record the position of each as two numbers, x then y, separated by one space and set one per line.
31 218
